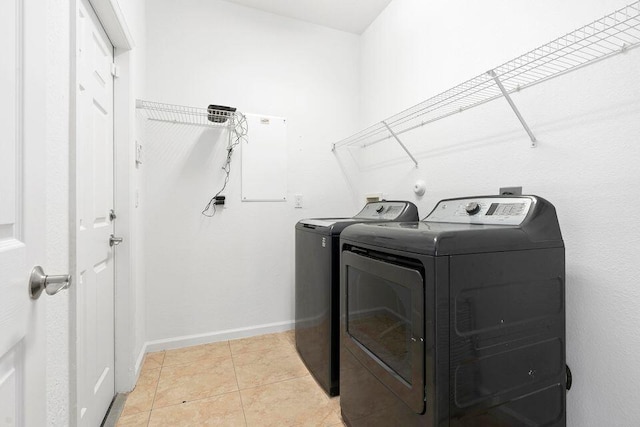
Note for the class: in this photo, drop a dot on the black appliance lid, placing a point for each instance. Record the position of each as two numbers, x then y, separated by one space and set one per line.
391 210
468 225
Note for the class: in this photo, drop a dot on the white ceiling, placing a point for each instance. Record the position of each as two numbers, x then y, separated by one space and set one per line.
353 16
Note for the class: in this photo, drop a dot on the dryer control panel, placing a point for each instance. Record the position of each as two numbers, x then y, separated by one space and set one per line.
387 211
482 210
392 210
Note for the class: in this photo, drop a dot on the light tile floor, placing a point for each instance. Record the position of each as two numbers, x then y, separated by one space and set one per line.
257 381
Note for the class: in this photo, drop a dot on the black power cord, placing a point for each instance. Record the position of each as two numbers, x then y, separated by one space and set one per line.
237 134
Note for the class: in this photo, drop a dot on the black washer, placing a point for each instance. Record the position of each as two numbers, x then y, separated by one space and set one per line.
317 285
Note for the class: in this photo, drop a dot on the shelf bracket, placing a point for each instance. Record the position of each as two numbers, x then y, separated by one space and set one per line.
493 75
400 142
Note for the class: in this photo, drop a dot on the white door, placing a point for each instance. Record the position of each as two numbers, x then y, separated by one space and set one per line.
22 215
93 226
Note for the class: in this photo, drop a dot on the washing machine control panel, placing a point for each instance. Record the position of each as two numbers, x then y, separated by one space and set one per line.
386 211
482 210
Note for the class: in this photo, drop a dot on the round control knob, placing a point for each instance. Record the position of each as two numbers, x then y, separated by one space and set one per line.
472 208
380 209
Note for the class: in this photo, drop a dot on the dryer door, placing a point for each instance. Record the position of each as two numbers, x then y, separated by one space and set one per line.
384 318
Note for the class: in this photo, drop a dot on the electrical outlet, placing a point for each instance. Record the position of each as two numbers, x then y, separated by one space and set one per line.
511 191
373 197
297 201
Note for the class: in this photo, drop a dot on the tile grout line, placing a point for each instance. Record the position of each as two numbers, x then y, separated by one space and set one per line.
128 395
213 361
164 354
206 366
229 392
289 344
194 400
280 338
135 386
200 362
277 382
235 373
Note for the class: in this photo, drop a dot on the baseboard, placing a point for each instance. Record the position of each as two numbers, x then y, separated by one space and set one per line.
126 385
229 334
140 361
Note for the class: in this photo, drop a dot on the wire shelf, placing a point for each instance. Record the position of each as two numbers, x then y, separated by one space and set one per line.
612 34
206 117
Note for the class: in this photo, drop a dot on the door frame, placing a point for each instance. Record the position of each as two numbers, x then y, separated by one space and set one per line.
127 362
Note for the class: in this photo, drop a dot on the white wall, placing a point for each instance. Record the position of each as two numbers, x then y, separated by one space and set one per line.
586 162
232 275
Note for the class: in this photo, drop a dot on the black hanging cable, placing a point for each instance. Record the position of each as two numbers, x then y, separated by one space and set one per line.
237 135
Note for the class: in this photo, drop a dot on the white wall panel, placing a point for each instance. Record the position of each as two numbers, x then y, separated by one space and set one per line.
264 160
235 270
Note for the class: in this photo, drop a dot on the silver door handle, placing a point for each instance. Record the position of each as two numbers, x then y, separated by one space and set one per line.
115 241
38 282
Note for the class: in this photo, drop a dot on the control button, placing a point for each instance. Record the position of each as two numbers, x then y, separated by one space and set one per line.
380 209
472 208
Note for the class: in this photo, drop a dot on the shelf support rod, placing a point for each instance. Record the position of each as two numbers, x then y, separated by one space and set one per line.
400 142
513 107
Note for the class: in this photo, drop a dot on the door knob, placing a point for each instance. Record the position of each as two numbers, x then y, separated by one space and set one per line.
38 282
115 241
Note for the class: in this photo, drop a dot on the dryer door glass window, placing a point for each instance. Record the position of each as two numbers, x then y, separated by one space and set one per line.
384 323
379 317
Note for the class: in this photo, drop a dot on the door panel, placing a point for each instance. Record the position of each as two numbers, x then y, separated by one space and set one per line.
10 372
9 114
22 337
94 192
14 304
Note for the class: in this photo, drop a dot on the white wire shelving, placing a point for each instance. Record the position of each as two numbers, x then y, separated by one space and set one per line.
614 33
206 117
